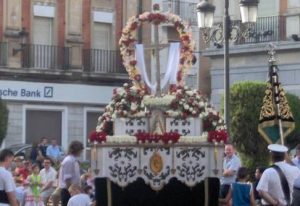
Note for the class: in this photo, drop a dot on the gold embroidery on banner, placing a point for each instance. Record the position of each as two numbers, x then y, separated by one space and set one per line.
285 111
156 163
268 109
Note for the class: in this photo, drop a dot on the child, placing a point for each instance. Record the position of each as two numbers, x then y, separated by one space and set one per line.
240 192
33 197
77 197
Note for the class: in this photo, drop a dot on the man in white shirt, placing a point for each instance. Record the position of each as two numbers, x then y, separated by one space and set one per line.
77 197
48 177
231 164
7 184
69 172
269 186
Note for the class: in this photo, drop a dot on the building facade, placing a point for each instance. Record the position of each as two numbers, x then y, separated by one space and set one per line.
59 66
278 23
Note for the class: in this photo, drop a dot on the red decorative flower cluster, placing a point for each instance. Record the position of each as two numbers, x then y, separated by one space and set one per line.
156 18
167 137
98 137
217 136
155 7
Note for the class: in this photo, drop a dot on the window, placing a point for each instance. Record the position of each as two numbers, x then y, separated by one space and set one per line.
102 33
43 124
42 30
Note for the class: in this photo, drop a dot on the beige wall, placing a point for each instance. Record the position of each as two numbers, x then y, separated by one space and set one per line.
104 4
13 13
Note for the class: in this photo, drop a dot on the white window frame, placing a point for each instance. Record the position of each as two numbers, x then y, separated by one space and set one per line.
84 140
64 120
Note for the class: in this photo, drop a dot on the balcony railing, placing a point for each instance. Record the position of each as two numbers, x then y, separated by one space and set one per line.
102 61
3 53
45 56
186 10
266 29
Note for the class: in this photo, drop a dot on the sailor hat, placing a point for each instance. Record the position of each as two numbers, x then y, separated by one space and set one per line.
277 148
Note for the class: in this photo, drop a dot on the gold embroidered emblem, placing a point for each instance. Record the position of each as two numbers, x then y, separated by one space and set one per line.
156 163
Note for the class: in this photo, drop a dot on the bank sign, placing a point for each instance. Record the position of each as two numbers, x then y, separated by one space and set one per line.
73 93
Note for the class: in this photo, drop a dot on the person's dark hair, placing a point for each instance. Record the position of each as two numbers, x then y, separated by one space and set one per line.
242 173
297 147
47 158
5 153
34 165
277 156
35 144
261 169
75 147
87 188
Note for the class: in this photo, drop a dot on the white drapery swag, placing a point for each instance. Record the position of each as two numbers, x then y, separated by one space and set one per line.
139 55
173 62
172 68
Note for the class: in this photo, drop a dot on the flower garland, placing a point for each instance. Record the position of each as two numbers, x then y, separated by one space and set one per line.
126 102
167 137
97 137
128 39
217 136
192 103
181 102
151 101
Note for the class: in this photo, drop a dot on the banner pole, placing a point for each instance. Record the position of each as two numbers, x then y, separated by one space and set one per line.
275 85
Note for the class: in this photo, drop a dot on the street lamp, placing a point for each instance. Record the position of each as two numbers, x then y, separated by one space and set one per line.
205 13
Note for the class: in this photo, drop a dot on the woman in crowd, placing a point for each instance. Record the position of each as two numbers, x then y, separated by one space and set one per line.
258 173
240 192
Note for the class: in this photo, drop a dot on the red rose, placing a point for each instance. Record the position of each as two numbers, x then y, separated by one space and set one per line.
133 26
133 62
155 7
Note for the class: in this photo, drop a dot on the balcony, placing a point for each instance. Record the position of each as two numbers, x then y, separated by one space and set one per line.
266 29
186 10
102 61
45 57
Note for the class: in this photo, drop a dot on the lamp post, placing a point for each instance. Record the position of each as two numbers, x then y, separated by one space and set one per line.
205 13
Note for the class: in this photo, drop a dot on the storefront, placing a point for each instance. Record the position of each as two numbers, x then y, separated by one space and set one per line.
63 111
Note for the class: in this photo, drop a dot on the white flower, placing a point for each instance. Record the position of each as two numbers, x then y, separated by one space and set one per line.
133 106
192 139
190 93
121 139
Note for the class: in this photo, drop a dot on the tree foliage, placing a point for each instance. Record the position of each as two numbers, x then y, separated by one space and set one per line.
246 99
3 120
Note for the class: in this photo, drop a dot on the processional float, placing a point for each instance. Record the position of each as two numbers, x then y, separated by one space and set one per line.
160 132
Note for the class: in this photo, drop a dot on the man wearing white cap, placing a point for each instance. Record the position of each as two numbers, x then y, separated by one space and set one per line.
270 186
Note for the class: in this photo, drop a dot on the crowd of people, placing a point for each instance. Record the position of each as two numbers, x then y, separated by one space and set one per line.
276 185
46 177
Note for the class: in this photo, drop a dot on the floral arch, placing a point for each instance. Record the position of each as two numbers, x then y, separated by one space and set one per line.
181 102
